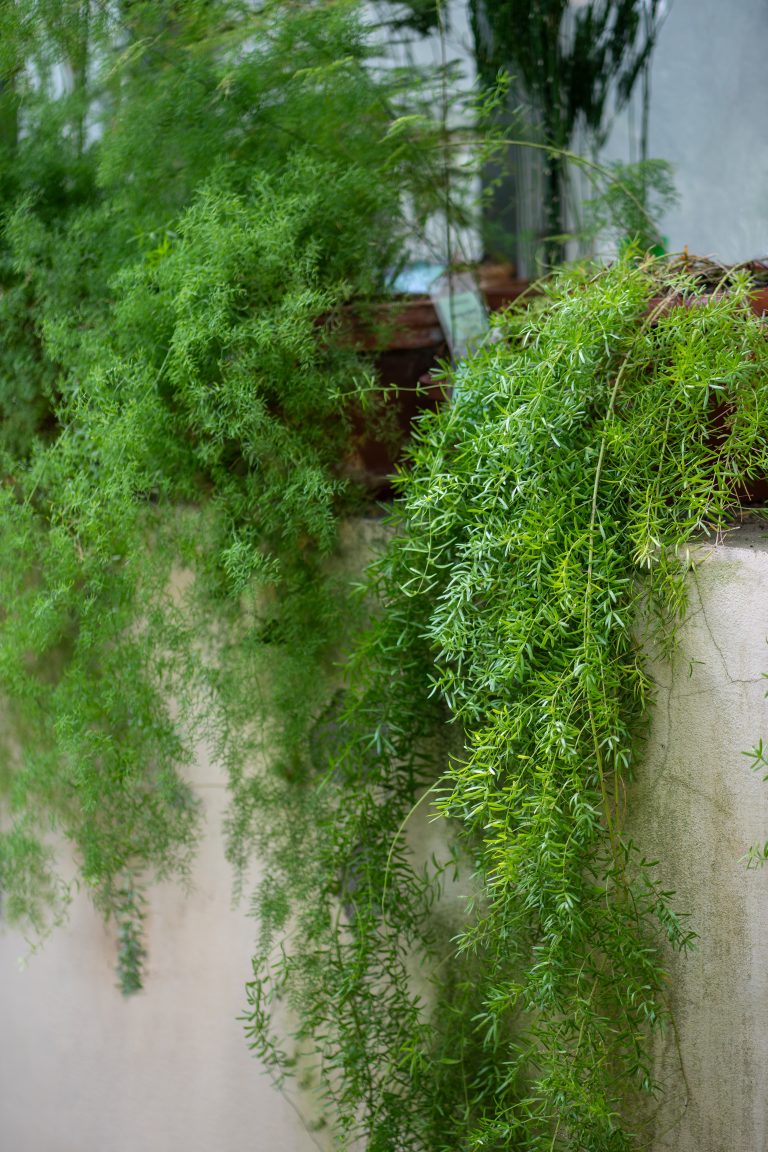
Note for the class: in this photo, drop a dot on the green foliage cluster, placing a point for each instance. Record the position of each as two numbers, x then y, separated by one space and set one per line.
547 510
569 63
191 195
634 197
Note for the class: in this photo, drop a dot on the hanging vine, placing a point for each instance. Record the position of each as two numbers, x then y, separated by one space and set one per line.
180 394
544 527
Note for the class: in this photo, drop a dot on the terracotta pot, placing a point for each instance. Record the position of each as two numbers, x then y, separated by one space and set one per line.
400 324
408 343
758 300
500 285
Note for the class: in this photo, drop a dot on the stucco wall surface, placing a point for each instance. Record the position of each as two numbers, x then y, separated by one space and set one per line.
696 808
82 1070
709 88
168 1070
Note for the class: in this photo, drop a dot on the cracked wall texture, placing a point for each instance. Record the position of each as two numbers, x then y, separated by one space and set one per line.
696 807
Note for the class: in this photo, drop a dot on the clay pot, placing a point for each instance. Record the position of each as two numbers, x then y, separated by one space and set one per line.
500 285
408 343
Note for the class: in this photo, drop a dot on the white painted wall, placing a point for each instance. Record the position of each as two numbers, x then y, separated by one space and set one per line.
697 808
454 48
708 118
84 1070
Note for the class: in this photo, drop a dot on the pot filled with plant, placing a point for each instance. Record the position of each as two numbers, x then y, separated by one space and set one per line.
502 684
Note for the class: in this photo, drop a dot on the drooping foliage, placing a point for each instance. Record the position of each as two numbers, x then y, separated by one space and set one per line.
543 529
191 195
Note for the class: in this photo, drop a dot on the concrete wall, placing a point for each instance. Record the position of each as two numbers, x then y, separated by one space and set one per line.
696 808
82 1070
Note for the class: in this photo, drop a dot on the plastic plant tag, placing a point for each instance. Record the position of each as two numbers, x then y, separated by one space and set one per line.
460 310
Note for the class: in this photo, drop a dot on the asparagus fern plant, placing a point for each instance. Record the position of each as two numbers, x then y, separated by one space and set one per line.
546 512
177 400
